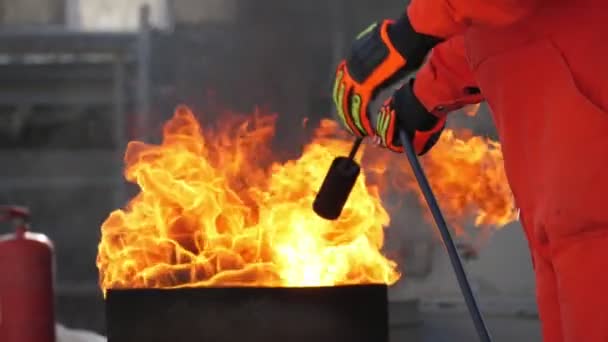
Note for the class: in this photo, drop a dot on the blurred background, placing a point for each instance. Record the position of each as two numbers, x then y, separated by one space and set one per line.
80 78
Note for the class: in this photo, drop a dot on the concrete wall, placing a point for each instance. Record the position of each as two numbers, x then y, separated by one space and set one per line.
20 13
114 15
203 11
123 15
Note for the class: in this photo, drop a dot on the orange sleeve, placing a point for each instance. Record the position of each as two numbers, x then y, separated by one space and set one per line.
445 82
446 18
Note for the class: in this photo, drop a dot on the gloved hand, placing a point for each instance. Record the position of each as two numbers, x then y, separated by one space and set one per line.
380 56
404 111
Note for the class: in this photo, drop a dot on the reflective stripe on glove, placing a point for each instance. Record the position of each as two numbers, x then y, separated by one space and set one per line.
380 56
404 111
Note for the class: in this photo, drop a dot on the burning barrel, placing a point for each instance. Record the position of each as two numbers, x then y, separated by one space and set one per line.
254 314
222 244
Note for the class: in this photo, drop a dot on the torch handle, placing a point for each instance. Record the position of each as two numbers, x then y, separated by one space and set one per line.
355 148
461 276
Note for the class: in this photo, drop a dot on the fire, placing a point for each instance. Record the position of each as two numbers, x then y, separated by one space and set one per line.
467 176
215 209
211 214
475 183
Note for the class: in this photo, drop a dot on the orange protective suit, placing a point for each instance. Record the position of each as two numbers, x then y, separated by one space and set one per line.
542 66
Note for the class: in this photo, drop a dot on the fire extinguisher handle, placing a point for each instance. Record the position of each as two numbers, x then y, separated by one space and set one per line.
14 212
20 215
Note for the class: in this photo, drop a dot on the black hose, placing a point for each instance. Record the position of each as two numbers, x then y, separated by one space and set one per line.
461 276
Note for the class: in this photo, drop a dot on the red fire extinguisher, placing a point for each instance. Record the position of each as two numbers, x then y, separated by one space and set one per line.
26 282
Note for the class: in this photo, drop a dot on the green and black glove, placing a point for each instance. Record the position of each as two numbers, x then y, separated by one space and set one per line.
404 111
380 56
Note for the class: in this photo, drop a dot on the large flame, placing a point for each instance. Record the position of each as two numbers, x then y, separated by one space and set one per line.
467 176
475 180
215 210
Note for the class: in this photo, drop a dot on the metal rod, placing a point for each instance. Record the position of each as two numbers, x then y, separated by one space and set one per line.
355 148
461 276
338 37
143 74
120 127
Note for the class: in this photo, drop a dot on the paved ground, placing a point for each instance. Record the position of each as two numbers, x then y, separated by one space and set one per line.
457 328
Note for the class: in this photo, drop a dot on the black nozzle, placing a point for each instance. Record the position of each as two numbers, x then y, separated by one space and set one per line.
337 185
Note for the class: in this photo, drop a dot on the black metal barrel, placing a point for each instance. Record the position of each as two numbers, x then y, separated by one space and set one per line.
252 314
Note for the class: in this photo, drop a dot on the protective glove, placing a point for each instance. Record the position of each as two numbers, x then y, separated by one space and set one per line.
380 56
403 111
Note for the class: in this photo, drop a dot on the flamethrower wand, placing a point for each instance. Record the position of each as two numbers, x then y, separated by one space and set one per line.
338 184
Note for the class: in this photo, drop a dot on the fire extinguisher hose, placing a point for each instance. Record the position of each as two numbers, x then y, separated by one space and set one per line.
461 276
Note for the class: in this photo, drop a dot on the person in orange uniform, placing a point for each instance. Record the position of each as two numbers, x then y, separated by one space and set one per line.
542 67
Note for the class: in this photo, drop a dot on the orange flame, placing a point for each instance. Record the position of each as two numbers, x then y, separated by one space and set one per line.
466 175
209 215
475 182
215 210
